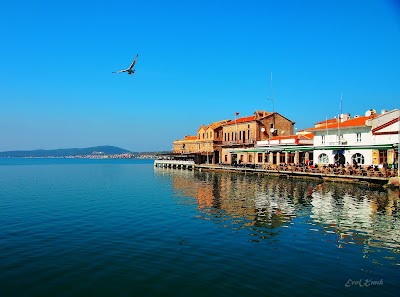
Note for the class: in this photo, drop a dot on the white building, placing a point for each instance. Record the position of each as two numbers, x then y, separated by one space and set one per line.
371 139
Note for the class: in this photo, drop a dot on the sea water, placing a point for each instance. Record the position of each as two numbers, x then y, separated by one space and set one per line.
79 227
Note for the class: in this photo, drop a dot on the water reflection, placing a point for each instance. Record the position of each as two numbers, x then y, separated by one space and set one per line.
266 206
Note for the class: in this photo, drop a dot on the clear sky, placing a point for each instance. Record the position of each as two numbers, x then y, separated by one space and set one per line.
199 62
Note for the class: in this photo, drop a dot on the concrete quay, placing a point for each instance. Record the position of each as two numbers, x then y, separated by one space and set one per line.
283 173
370 180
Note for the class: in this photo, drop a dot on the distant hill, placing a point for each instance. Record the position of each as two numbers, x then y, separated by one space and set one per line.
96 150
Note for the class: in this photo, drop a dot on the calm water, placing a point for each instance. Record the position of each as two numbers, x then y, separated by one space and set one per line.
125 228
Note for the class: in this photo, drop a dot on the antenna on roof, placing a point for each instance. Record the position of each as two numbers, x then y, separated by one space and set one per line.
272 95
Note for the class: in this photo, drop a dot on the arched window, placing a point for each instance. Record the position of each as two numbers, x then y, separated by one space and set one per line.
359 158
323 159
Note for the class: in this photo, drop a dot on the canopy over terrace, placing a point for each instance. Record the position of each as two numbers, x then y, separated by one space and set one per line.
272 149
283 154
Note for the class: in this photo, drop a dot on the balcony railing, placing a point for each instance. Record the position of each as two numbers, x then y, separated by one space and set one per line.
174 162
341 142
239 142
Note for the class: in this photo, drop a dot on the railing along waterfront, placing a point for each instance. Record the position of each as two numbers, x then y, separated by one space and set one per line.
328 173
173 163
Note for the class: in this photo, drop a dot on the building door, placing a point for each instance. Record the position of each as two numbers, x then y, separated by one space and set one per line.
216 157
340 159
234 159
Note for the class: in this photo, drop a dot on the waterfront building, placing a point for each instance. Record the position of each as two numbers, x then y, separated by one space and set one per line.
371 139
241 135
205 147
267 138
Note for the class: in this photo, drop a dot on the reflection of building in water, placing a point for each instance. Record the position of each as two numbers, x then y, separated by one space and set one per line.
257 201
362 219
355 214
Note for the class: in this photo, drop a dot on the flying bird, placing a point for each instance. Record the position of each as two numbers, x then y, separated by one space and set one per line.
129 70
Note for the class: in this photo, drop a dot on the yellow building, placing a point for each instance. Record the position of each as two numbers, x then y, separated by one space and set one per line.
205 147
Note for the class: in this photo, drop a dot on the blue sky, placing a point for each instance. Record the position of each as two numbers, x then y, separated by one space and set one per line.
199 62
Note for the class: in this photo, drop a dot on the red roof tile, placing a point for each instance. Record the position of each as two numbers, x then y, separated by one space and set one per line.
190 137
242 120
356 122
306 136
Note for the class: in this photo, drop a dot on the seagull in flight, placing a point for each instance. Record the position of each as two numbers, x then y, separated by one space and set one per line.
129 70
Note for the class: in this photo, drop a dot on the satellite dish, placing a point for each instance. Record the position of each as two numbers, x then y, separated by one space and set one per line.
368 113
263 129
272 130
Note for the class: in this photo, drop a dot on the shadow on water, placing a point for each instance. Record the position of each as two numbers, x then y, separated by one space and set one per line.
267 205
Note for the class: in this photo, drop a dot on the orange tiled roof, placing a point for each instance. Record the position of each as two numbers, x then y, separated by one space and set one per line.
356 122
242 120
215 125
328 121
306 136
190 137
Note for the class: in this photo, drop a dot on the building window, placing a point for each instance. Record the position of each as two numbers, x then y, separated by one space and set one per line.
224 136
259 156
203 135
241 158
358 158
250 158
291 158
210 134
228 136
323 139
323 159
358 137
248 134
272 126
226 158
382 156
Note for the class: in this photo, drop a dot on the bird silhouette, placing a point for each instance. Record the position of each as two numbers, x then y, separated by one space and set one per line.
129 70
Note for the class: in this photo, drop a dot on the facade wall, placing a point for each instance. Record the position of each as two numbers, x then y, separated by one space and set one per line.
284 126
258 130
331 137
240 133
185 146
348 154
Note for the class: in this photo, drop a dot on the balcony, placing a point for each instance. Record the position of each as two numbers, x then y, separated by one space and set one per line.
238 142
341 142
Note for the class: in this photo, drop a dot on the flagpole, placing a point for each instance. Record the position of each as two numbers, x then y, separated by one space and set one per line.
236 135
